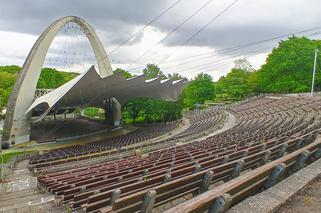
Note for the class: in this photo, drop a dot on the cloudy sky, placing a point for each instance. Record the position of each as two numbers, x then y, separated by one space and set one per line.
192 36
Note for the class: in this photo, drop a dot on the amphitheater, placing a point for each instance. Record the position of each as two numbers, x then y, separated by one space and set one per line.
250 156
209 161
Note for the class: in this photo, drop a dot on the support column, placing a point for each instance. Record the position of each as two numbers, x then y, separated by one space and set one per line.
221 204
108 111
149 201
116 112
275 176
112 112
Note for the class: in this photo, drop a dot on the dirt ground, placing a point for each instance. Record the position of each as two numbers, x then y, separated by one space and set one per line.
307 200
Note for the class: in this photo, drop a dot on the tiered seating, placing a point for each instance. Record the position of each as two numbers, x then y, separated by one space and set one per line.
115 143
268 129
250 183
201 122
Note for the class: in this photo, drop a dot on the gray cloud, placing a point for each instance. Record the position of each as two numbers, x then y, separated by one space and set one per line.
116 20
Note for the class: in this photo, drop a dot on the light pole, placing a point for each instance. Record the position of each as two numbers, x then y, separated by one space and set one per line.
314 67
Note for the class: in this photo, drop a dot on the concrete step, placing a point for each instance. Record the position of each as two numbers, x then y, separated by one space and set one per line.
20 194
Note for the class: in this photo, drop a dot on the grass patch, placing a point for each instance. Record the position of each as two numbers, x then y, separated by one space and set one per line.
94 112
139 119
8 155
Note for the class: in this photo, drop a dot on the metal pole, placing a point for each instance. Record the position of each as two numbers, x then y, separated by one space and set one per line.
314 67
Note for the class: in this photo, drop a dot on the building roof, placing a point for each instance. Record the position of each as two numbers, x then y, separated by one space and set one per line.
89 89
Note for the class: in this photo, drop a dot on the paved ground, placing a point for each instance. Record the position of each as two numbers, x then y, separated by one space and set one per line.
297 193
19 193
306 200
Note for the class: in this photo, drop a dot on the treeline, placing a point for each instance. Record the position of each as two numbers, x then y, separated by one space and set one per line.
49 78
7 79
147 109
151 110
288 69
143 109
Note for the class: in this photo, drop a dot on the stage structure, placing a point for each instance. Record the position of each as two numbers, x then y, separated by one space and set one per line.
103 90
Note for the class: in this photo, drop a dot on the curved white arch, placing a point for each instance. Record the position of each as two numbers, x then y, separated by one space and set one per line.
17 122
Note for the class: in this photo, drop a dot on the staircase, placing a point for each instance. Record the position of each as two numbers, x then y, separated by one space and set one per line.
19 193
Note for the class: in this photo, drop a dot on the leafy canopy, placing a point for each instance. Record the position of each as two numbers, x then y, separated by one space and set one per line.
152 71
125 73
49 79
199 90
289 67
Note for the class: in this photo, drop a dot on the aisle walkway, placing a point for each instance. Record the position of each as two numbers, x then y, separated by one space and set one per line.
307 200
227 124
19 193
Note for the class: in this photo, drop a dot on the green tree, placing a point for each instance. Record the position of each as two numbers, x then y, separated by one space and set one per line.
7 81
13 69
236 85
175 76
153 71
289 66
133 108
125 73
152 110
8 76
52 78
243 64
199 90
49 79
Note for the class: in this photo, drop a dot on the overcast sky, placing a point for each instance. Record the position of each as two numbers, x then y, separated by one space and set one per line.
247 21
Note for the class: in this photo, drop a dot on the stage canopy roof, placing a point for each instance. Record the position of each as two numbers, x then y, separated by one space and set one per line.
89 89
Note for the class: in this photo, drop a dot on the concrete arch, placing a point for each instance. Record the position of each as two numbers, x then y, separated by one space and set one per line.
17 122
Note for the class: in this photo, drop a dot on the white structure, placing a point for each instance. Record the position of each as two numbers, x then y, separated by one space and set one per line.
105 90
89 89
17 123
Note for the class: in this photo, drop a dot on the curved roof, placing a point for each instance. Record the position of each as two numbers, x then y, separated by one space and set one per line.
89 89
